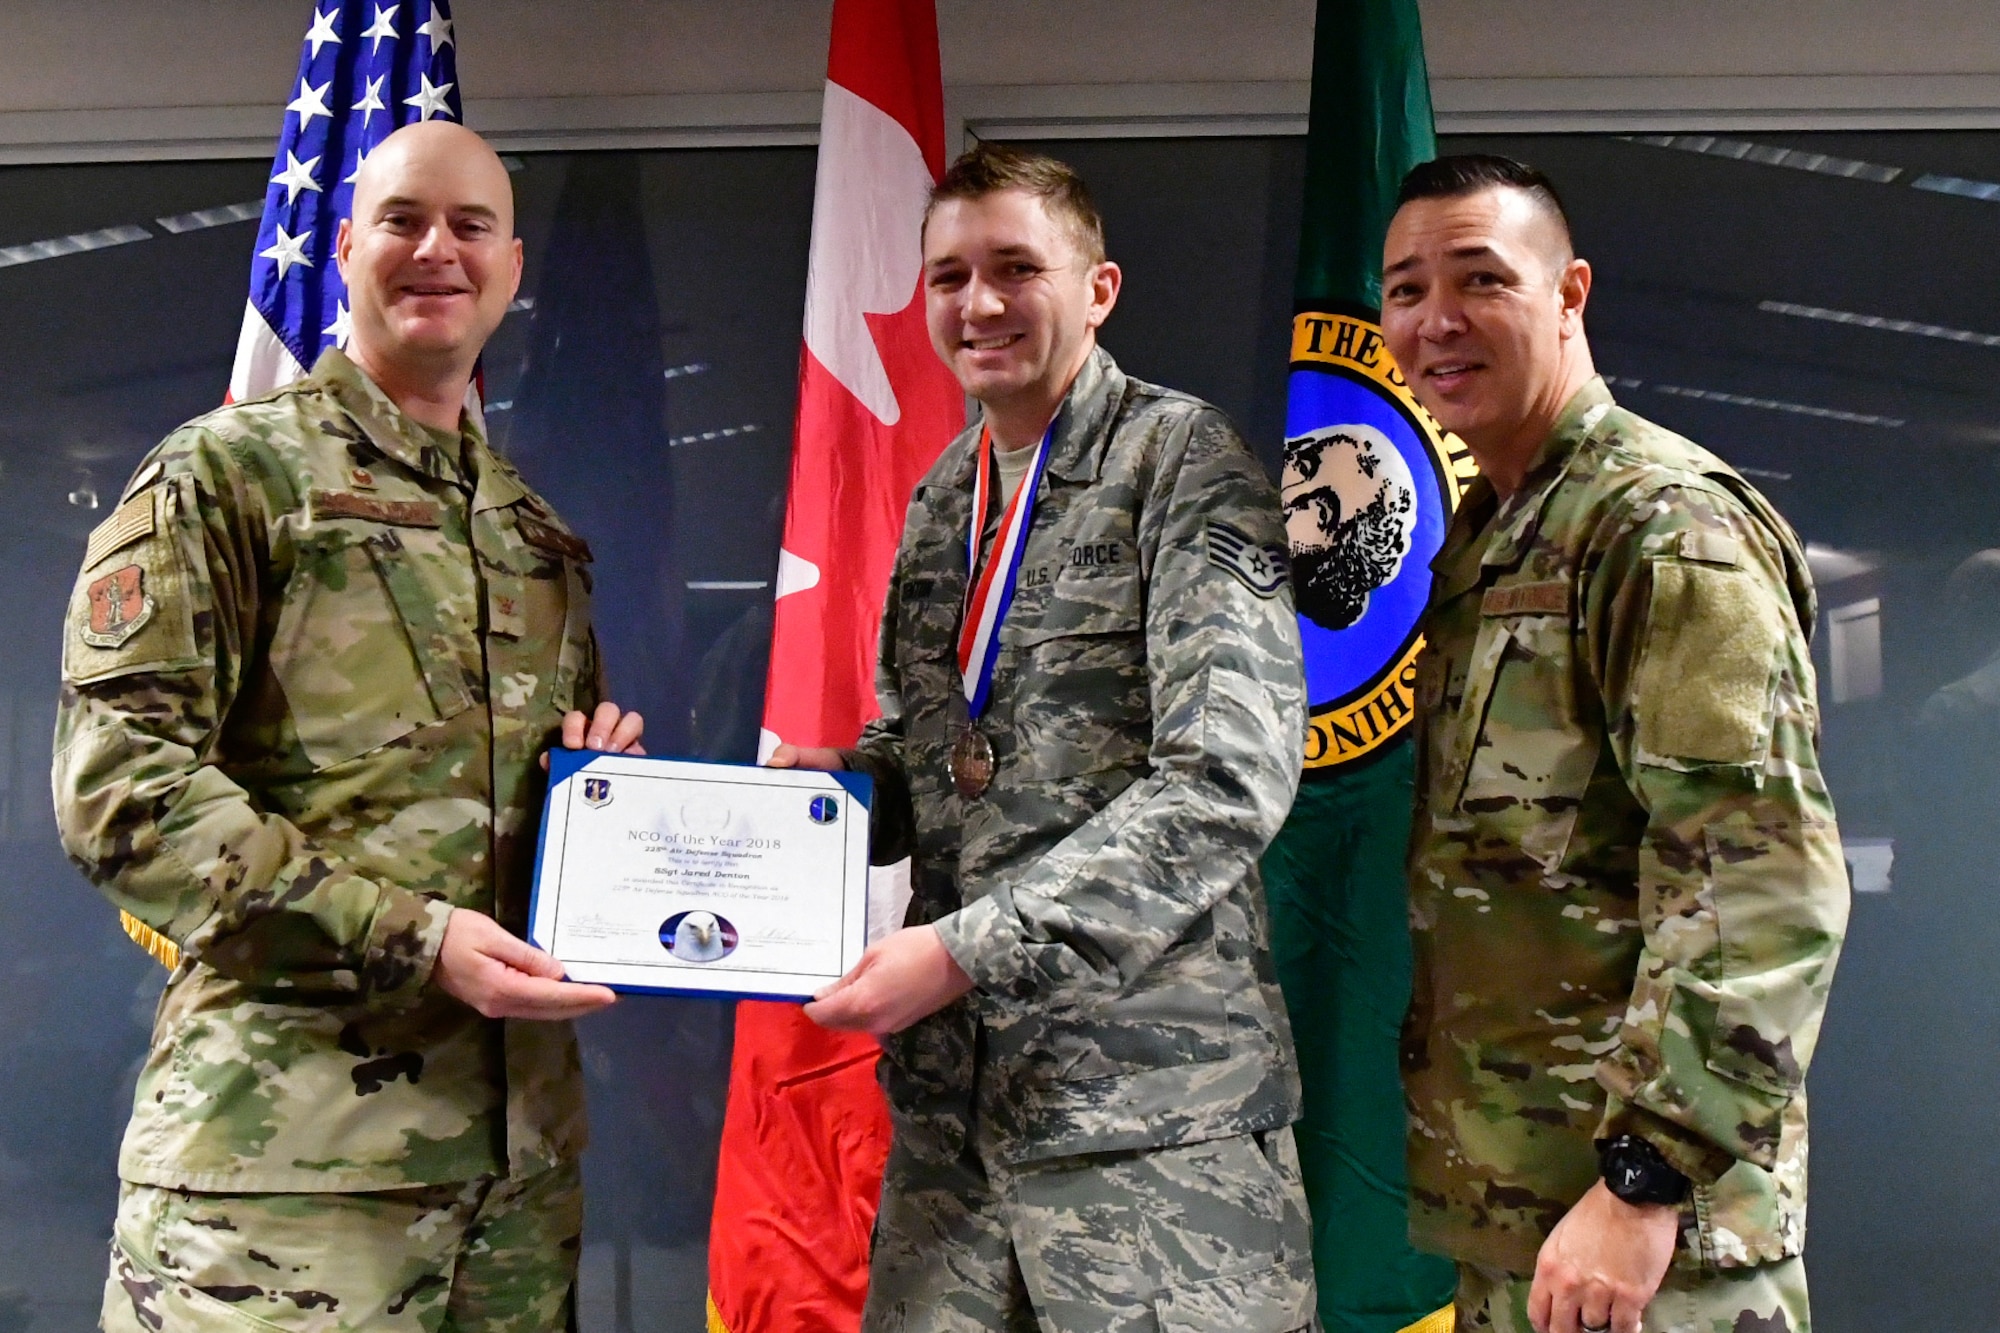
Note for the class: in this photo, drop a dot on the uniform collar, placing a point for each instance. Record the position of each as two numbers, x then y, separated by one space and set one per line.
1080 437
390 429
1521 513
498 484
1080 434
1519 517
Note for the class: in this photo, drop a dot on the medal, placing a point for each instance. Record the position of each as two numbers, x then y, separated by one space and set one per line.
988 595
971 763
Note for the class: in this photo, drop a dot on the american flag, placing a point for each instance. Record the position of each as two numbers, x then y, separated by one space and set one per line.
365 70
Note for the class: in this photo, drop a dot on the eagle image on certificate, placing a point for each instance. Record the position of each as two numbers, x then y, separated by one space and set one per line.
717 879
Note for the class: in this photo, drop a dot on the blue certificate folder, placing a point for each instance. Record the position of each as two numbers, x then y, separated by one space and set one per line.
672 876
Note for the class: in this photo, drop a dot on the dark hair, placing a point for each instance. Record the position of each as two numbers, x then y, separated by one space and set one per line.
1469 173
990 168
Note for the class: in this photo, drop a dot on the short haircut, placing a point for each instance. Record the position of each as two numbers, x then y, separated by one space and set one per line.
991 167
1468 173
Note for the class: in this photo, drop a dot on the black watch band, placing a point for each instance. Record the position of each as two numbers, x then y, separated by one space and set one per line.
1634 1170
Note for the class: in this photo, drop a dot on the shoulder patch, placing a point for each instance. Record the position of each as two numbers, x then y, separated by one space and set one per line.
127 524
1526 599
120 606
550 538
399 513
1260 568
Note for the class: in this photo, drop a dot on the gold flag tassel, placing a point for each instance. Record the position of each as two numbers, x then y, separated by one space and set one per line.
1437 1321
164 950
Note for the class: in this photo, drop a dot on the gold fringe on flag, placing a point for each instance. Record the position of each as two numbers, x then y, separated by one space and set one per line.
715 1324
164 950
1437 1321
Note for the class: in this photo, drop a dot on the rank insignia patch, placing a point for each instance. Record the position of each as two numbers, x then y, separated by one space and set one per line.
120 606
1260 568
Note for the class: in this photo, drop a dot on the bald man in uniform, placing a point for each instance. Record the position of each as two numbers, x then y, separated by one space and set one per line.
308 669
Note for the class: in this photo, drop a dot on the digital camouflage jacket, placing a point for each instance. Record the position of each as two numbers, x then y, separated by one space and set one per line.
1626 887
1148 708
308 669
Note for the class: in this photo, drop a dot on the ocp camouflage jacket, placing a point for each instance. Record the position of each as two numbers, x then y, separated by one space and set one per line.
308 669
1147 716
1626 885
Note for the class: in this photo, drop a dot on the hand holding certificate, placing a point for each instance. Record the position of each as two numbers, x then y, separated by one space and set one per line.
666 875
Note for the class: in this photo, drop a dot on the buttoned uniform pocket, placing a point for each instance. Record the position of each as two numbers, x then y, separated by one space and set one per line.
1521 755
371 639
1083 700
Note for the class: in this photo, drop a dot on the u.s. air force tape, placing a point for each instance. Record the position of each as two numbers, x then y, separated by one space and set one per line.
1261 568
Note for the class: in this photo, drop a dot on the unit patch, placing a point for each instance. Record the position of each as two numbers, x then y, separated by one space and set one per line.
1260 568
120 606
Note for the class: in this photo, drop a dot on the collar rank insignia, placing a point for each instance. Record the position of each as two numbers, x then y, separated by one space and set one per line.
120 607
1261 568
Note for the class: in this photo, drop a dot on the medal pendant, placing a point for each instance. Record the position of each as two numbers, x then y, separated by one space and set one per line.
971 763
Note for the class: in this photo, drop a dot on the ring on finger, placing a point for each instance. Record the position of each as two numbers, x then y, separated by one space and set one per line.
1604 1327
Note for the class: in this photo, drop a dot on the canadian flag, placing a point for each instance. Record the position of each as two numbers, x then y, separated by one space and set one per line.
805 1134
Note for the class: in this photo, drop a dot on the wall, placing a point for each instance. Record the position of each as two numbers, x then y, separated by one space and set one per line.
174 78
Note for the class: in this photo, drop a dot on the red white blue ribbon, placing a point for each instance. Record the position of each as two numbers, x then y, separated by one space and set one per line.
989 592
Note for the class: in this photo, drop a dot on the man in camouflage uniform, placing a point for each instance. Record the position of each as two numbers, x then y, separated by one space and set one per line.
1627 892
1088 1065
309 666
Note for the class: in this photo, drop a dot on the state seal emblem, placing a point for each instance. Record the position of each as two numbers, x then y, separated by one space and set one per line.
1370 482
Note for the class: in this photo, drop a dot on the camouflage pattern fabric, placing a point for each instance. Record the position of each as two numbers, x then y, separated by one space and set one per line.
1148 705
1208 1237
1627 892
309 665
1766 1298
485 1256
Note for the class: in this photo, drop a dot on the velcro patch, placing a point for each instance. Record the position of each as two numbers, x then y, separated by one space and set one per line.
144 477
1713 548
127 524
1711 654
1527 599
553 539
399 513
120 606
1261 568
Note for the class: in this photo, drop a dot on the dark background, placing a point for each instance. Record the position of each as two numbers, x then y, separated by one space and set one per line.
648 391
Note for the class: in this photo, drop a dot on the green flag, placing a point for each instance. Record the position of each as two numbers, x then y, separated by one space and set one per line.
1369 483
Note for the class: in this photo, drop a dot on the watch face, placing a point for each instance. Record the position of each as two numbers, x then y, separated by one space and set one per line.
1634 1171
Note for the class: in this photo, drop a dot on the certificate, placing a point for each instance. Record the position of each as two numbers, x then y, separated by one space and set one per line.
713 879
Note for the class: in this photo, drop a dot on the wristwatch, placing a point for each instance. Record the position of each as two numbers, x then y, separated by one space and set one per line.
1634 1171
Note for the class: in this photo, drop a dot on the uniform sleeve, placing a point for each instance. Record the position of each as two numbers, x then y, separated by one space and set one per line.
1228 702
161 632
1708 688
892 820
